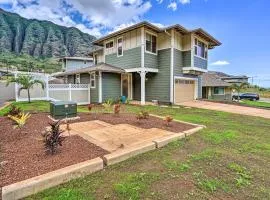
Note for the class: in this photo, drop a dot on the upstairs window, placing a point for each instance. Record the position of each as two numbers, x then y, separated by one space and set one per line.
93 80
120 46
201 49
109 45
151 43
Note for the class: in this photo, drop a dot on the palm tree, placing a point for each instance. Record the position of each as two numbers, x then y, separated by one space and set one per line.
238 88
27 82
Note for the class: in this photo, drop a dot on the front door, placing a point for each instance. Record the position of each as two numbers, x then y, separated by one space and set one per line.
127 85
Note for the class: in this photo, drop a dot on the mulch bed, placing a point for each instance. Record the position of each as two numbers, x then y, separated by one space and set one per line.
151 122
23 155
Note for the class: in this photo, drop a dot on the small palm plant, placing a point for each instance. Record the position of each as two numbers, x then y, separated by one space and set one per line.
238 88
27 82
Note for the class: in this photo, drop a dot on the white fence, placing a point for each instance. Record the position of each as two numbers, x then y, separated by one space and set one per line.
79 93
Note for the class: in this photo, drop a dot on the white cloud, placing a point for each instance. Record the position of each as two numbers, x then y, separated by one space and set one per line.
220 63
173 6
95 15
184 1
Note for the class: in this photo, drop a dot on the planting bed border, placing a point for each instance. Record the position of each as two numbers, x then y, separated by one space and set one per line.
37 184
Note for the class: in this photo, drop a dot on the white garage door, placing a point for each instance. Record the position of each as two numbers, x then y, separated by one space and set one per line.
184 90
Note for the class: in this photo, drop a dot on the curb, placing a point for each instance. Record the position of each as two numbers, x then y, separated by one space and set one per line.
161 142
120 156
36 184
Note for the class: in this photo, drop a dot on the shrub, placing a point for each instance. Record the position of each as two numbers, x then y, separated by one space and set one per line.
20 120
107 105
14 110
116 108
53 137
168 119
90 107
142 115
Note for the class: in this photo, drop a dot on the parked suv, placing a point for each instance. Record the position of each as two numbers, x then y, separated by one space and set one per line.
248 96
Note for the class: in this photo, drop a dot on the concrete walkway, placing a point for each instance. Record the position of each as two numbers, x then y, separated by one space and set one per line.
229 108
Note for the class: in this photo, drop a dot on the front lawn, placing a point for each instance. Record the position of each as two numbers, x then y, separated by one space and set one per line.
227 160
256 104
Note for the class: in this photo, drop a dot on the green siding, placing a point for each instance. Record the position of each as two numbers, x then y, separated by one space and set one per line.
186 58
111 86
178 62
150 60
158 84
131 59
200 62
77 64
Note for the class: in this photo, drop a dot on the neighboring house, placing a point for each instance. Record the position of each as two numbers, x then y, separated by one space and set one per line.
213 87
145 63
73 63
231 78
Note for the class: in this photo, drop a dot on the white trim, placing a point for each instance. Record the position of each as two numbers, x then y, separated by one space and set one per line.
121 37
196 88
194 69
192 50
172 67
77 79
93 79
141 69
142 74
100 87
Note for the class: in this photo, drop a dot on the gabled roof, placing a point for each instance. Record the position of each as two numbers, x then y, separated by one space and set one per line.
223 75
75 58
213 80
103 67
213 42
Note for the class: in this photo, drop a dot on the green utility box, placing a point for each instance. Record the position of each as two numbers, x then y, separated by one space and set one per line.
63 109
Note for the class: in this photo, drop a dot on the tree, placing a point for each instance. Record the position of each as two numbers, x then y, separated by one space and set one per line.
27 82
238 88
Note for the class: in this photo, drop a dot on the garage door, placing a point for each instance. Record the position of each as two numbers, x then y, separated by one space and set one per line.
184 90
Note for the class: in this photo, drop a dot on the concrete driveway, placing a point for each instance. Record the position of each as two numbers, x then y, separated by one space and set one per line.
229 108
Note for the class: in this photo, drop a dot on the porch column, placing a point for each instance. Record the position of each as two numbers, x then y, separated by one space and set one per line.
142 74
100 87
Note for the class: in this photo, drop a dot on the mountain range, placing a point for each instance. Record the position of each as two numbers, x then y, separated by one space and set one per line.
42 39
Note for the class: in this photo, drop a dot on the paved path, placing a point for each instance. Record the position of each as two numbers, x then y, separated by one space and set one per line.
229 108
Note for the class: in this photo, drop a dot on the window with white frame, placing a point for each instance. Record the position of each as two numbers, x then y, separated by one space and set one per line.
95 59
120 46
109 45
219 90
77 80
92 80
200 49
151 43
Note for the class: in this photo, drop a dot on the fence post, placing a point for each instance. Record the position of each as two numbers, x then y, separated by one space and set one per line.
47 88
16 88
70 98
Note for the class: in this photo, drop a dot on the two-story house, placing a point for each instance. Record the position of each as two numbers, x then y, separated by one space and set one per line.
144 62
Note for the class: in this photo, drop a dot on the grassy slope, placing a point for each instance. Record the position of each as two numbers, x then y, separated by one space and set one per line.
227 160
257 104
49 65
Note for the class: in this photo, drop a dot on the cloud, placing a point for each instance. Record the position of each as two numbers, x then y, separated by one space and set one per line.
220 63
173 6
90 16
184 1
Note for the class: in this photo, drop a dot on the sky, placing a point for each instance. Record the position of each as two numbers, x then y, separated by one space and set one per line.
242 26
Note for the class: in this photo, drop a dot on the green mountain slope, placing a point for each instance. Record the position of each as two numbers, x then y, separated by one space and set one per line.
41 39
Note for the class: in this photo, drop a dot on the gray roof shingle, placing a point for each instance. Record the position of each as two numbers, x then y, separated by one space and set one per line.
213 80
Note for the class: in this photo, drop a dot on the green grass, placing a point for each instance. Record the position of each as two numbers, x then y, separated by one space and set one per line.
256 104
227 160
